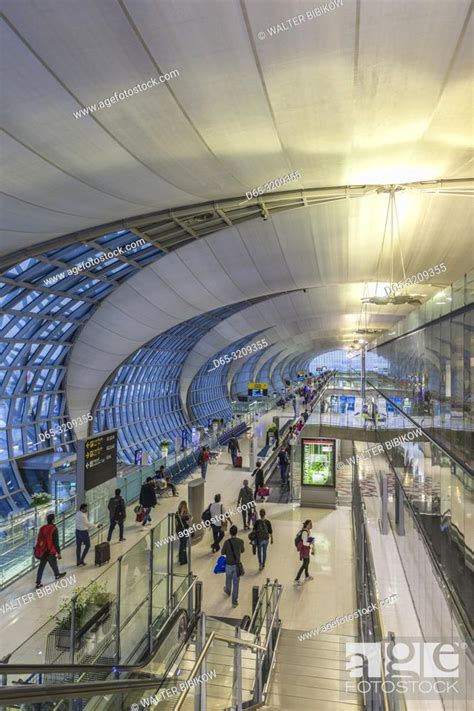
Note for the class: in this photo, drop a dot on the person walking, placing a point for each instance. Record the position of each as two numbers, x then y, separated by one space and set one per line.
117 513
263 533
304 546
283 462
83 527
203 461
233 549
218 522
245 497
259 478
147 499
183 520
234 449
47 550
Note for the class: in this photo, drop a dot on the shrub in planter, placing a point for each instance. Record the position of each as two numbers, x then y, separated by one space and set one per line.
40 499
93 604
164 447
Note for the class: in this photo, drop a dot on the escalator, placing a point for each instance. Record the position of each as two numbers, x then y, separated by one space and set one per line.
226 666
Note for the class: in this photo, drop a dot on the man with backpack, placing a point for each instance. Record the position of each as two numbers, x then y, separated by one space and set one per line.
234 449
147 499
117 513
47 550
218 519
263 533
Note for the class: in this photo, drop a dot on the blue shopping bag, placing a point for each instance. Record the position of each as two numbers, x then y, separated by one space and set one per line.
220 565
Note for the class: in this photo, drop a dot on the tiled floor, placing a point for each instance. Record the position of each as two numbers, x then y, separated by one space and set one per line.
19 624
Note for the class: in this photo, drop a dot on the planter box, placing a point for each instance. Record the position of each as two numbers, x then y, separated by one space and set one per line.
63 636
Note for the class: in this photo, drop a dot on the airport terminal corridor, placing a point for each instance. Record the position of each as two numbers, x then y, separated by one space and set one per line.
236 355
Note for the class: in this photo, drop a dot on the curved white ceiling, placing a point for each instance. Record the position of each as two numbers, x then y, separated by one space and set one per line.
374 91
332 250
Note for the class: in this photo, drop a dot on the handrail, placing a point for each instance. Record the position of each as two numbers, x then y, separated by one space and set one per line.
380 623
269 464
449 454
437 568
6 669
33 692
238 641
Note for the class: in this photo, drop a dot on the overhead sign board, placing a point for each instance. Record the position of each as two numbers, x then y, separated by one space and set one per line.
257 389
96 462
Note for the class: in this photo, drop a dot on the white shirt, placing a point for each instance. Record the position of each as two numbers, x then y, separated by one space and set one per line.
215 510
82 522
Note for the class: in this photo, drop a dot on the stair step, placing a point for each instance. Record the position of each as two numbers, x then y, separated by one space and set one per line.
310 666
282 669
319 680
308 648
324 636
276 702
307 694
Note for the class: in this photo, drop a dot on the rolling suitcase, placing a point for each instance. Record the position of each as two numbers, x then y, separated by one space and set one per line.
102 551
238 462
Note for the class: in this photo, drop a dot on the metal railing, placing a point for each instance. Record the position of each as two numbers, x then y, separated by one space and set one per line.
371 627
19 535
263 645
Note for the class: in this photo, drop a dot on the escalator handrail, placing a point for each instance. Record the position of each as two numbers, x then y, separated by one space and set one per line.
94 688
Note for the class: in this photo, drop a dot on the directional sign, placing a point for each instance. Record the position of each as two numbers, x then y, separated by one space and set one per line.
96 462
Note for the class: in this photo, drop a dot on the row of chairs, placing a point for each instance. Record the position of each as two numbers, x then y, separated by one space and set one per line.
182 469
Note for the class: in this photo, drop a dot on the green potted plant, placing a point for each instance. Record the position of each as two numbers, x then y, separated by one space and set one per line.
92 607
164 447
40 499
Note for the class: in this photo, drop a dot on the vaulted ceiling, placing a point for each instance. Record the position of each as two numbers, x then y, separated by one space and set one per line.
371 93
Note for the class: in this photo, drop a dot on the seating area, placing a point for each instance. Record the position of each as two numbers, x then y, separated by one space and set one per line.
184 467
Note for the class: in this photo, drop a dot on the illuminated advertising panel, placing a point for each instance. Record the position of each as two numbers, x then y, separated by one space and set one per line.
318 462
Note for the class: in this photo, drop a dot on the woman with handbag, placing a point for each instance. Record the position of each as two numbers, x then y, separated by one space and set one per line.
233 549
183 520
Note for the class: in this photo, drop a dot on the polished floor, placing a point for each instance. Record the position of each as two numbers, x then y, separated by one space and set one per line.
323 598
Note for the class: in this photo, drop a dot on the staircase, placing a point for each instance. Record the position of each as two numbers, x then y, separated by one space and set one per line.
311 674
221 658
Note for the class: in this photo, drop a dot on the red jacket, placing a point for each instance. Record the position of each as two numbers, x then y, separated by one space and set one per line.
47 542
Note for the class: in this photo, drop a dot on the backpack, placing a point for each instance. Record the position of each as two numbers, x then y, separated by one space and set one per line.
206 516
44 544
299 540
261 530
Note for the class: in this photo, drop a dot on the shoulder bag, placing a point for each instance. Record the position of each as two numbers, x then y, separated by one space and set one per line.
240 567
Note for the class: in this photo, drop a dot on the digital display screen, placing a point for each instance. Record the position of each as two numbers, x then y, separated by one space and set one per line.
318 462
100 459
257 389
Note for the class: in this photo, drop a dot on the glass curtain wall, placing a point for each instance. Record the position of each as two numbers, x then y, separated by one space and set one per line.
244 376
209 395
432 371
143 401
44 301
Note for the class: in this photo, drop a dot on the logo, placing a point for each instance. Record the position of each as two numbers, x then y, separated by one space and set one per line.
403 666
